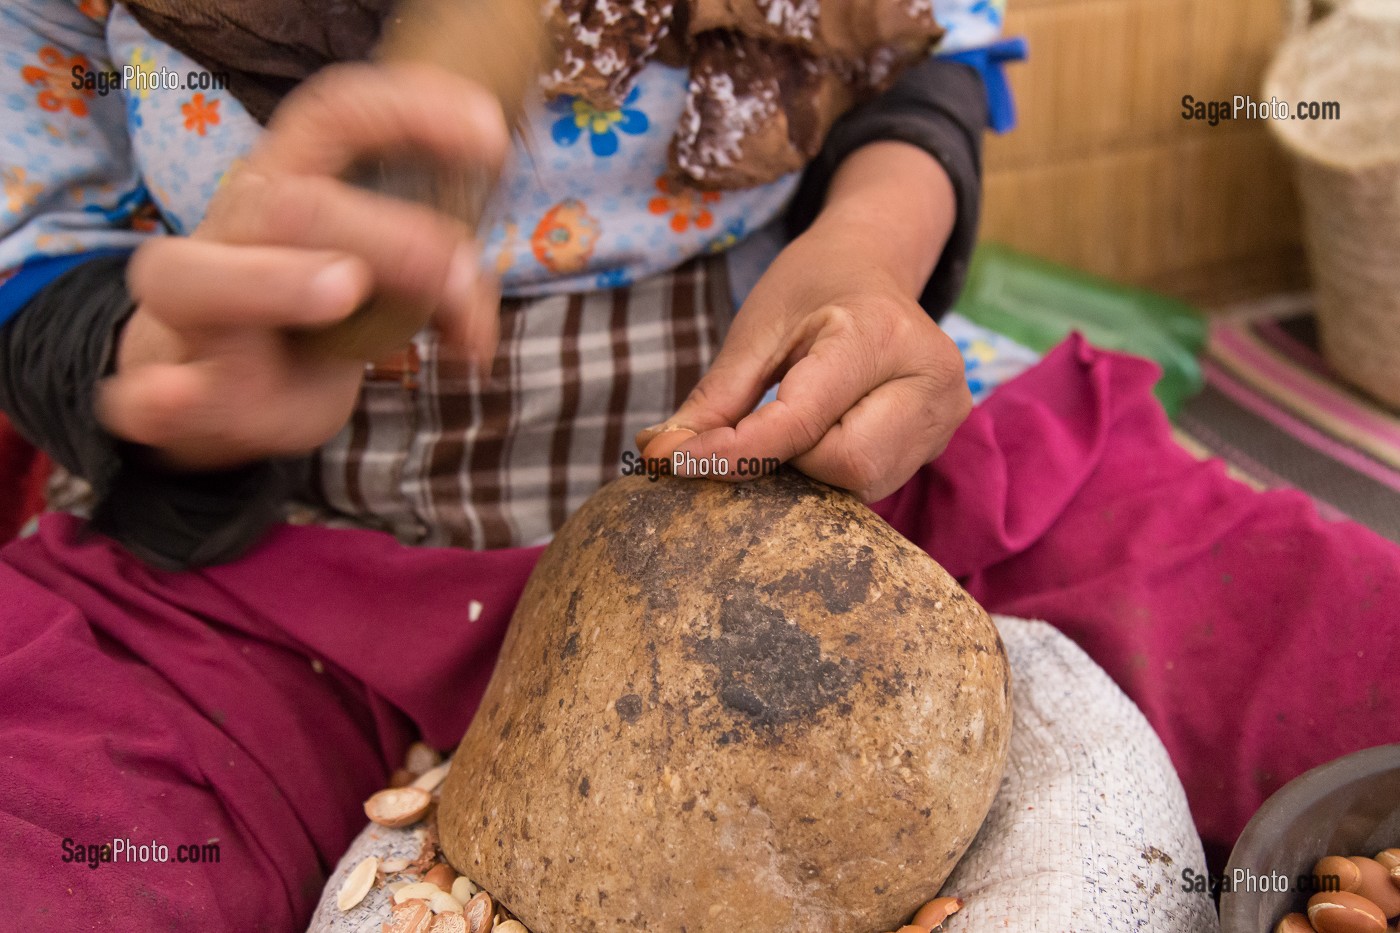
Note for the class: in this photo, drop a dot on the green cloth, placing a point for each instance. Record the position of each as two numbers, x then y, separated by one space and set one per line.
1038 304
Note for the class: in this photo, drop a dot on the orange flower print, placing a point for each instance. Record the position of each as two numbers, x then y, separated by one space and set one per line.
54 78
505 257
95 9
685 205
200 114
564 239
20 193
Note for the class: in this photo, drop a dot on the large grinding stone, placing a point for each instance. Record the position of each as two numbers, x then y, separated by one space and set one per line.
725 707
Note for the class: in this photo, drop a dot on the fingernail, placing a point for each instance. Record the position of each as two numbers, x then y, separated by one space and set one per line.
337 287
462 274
667 442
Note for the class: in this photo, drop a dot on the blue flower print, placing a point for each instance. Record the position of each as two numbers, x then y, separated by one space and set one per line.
602 125
990 9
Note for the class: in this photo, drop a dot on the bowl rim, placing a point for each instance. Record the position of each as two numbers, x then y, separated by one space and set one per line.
1296 796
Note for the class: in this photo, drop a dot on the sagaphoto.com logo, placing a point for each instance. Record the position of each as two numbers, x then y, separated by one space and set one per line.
711 466
127 852
1244 107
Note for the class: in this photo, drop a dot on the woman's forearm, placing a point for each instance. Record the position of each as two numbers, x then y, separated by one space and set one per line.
895 204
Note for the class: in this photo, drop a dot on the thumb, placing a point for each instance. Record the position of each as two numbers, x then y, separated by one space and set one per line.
726 393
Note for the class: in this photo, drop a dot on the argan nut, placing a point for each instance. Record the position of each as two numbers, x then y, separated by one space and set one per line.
1376 886
398 806
357 884
409 917
444 903
1390 858
463 889
449 923
430 779
932 914
441 875
662 444
401 778
479 911
511 926
420 757
1348 875
1294 923
418 891
1344 912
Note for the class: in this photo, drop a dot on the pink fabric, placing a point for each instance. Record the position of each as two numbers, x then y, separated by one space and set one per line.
178 708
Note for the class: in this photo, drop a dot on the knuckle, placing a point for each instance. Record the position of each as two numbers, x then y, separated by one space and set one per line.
702 397
420 250
861 470
321 96
806 427
238 210
290 210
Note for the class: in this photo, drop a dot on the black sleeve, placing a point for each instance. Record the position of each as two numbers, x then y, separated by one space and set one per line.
51 356
941 107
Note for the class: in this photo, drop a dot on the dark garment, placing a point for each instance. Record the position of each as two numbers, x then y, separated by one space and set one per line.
51 356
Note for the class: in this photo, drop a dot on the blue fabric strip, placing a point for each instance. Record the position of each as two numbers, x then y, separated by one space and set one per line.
989 61
31 278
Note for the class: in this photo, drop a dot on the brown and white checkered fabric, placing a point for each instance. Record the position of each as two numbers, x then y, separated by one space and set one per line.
437 459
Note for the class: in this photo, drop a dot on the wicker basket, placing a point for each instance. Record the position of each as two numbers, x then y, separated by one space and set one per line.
1349 177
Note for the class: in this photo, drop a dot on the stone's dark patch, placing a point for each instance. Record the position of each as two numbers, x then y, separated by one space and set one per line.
852 637
842 579
583 787
629 707
653 562
506 729
739 697
767 671
570 647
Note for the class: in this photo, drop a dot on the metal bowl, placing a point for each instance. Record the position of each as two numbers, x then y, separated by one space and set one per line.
1350 806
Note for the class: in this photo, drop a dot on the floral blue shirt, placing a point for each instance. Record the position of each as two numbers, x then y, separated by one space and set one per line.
88 167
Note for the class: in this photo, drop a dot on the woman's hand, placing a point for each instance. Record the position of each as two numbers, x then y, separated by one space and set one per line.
208 371
870 387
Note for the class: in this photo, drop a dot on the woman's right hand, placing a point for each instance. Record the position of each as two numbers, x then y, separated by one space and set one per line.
208 370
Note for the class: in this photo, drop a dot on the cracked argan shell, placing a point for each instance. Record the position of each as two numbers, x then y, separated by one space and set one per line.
398 806
726 706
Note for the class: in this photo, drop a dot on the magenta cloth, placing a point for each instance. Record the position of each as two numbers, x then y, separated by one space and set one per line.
260 702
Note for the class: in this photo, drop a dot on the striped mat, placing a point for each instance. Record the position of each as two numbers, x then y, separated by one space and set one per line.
1277 415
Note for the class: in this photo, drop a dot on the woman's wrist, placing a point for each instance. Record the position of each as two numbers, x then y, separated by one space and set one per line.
895 206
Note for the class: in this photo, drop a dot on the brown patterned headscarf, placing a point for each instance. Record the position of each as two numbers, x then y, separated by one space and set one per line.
768 78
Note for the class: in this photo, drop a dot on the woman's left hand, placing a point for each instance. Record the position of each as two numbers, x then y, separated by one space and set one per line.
869 387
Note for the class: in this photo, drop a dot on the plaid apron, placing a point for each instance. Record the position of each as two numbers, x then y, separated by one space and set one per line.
436 459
